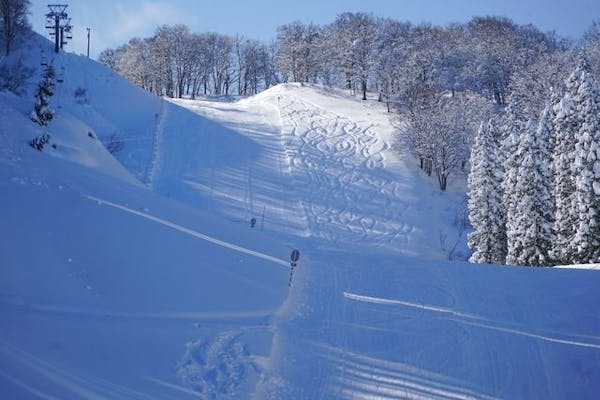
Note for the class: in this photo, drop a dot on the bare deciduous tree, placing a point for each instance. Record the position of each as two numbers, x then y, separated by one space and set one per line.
14 20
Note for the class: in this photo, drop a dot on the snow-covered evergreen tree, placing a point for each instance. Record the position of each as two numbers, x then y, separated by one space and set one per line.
42 113
485 198
586 104
591 46
512 128
545 139
565 127
529 228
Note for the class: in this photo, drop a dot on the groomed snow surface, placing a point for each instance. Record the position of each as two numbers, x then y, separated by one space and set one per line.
143 278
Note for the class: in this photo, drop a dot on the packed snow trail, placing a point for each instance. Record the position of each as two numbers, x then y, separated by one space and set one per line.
317 171
236 167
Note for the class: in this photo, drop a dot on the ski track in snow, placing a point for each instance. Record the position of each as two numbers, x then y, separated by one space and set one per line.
178 388
362 377
248 318
378 300
338 167
469 319
215 369
78 385
344 373
191 232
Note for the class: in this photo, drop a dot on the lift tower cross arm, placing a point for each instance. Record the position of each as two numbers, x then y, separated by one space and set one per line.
59 25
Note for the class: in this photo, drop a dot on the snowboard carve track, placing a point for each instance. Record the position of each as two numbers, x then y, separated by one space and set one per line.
335 161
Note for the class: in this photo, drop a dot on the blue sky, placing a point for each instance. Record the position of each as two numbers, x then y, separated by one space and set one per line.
115 22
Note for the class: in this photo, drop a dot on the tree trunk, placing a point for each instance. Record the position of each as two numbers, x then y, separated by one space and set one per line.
442 180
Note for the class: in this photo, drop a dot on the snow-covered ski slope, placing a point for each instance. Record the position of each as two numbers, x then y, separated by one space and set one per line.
147 282
329 170
369 316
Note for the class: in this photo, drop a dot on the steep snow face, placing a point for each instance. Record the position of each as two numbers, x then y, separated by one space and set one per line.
148 282
69 137
91 101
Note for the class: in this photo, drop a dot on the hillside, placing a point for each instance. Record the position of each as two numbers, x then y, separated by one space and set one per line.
140 277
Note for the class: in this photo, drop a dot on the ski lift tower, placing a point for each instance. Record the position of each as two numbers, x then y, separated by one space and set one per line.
59 25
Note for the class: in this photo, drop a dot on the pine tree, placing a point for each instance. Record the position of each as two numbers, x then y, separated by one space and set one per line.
512 129
565 127
485 198
42 113
545 186
586 104
529 228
